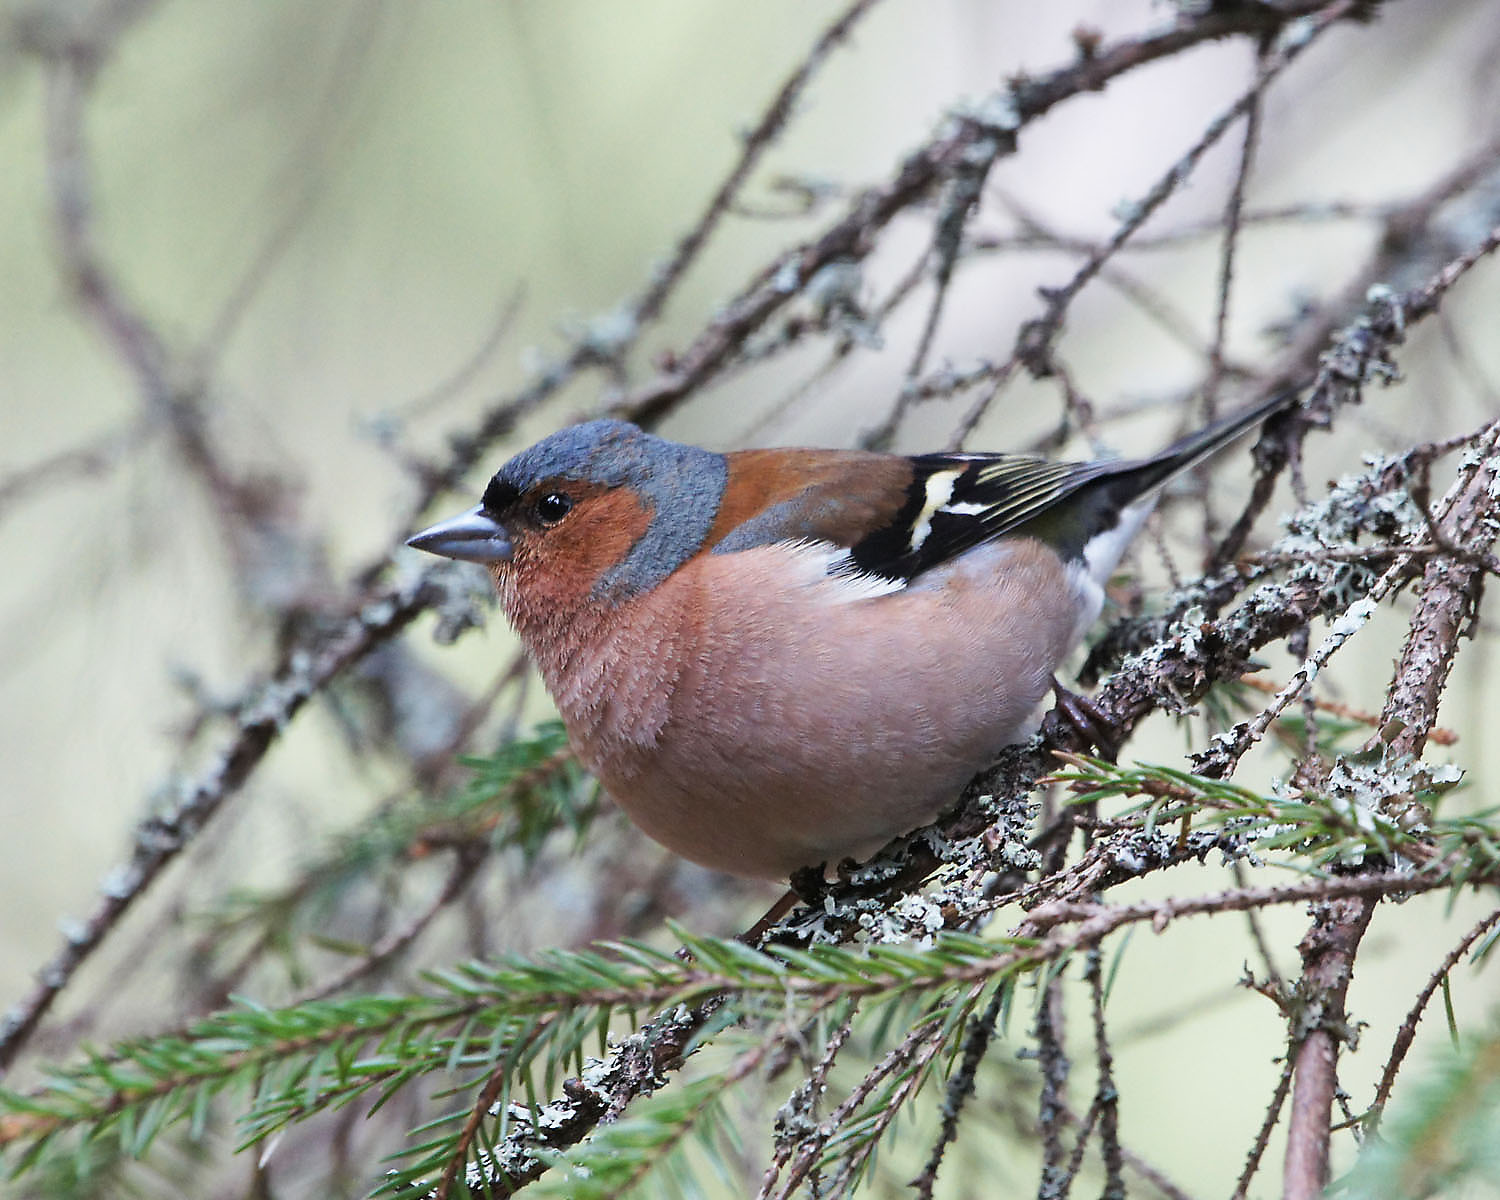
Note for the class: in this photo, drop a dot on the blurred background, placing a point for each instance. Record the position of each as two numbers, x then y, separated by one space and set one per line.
259 263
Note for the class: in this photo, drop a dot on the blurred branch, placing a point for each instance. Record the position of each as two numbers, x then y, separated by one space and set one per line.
458 379
161 838
648 307
300 181
998 119
1309 213
94 457
99 294
610 341
466 863
1408 1029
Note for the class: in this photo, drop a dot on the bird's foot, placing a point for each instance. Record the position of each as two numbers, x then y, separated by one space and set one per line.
1087 720
810 884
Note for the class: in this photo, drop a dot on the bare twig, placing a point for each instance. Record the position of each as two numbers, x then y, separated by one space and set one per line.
1148 1171
1263 1134
1334 708
804 1104
771 123
1034 343
1106 1098
466 863
851 238
467 371
913 1054
977 1038
466 448
1233 214
94 457
1407 1031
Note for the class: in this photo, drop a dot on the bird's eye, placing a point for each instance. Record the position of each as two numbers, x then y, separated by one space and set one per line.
552 507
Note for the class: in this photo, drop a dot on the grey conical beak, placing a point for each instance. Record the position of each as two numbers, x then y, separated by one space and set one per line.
474 536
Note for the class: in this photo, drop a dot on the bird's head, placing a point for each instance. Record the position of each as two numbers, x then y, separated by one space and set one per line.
592 515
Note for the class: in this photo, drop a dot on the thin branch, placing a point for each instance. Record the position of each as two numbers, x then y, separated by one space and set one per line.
1156 307
1273 980
467 371
1106 1098
1145 1169
1263 1134
977 1038
851 237
301 178
1407 1031
803 1104
1053 1066
92 283
94 457
1334 708
1059 1182
1034 342
757 141
1233 216
1400 248
1309 212
484 1102
914 1053
466 864
1234 212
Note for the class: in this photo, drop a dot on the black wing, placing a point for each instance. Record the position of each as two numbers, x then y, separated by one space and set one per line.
957 501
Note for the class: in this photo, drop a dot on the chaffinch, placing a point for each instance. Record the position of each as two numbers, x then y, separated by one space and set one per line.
773 659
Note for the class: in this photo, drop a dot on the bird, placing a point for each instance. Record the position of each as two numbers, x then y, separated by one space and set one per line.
778 659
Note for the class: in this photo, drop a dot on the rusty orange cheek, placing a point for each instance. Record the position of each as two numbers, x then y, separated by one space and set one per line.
561 564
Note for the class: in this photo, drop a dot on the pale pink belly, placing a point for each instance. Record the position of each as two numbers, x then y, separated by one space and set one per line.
791 731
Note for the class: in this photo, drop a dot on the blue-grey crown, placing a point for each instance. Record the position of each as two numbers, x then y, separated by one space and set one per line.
682 485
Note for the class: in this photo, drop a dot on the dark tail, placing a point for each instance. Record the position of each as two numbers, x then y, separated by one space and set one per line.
1128 480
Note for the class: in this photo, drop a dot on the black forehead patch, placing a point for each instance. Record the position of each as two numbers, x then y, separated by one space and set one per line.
499 496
